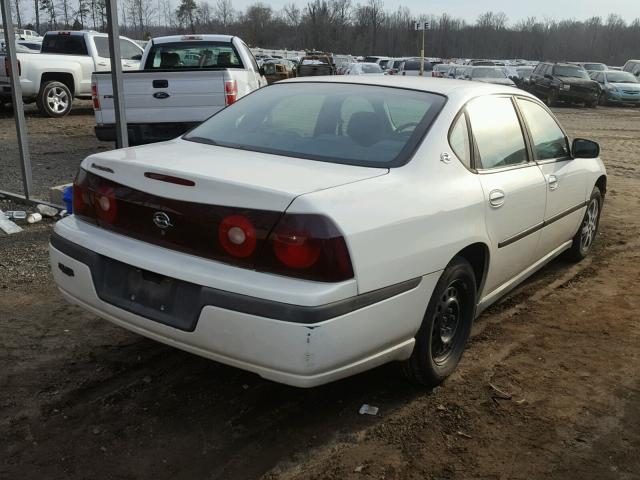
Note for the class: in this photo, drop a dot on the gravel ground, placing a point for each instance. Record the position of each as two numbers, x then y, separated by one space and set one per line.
80 398
57 146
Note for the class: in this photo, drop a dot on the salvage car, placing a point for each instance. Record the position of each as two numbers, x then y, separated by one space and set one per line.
494 75
318 228
617 87
556 82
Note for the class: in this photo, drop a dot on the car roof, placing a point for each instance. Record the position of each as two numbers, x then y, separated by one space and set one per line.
426 84
193 38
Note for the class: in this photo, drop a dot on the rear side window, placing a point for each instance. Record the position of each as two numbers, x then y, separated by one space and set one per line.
548 138
64 44
459 140
340 123
497 132
190 55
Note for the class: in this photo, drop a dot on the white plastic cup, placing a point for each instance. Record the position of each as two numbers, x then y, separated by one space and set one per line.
34 217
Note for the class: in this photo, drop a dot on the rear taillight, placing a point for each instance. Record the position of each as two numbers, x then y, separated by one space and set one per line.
95 97
230 92
307 246
237 236
7 66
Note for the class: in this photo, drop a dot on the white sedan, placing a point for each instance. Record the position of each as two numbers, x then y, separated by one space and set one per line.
320 227
364 69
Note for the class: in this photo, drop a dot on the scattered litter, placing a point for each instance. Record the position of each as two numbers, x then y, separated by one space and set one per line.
34 218
464 435
441 408
104 449
96 430
7 226
46 210
63 213
368 409
359 468
16 214
245 386
146 379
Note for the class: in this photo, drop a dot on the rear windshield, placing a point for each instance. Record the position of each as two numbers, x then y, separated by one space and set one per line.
333 122
190 55
64 44
413 65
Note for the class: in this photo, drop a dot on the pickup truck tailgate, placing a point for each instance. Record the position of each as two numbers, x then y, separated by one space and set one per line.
152 96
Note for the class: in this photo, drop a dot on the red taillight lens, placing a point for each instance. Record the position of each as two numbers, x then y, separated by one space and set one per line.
94 97
307 246
230 92
83 197
7 66
105 204
237 236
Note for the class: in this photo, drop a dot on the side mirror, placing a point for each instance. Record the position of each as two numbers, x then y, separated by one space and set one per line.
261 70
546 75
137 57
582 148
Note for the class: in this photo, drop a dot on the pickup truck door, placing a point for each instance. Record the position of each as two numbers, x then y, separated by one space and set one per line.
565 177
513 186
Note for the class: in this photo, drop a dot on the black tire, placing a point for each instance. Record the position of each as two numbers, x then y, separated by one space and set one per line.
552 98
591 103
445 328
602 99
54 99
586 234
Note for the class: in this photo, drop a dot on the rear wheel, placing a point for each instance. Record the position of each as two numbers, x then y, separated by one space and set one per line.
586 234
445 328
54 99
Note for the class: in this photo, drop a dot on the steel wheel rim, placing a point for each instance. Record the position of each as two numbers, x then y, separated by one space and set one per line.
589 225
447 323
57 100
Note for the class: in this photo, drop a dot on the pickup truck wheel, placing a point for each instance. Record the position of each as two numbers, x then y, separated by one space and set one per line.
586 234
54 99
445 328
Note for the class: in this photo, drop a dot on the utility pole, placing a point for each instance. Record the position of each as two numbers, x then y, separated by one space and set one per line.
422 26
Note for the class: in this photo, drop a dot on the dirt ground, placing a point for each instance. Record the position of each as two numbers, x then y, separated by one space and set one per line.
549 387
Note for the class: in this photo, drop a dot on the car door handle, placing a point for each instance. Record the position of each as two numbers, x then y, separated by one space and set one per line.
553 182
102 64
496 198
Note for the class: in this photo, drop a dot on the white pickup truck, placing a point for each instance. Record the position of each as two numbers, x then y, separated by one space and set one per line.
182 81
62 71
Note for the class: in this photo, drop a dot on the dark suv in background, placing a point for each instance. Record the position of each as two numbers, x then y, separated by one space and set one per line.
555 82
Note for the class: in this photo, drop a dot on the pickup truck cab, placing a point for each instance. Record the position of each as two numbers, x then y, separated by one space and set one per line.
182 81
62 71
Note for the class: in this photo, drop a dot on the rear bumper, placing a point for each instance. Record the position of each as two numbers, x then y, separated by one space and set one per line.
298 345
143 133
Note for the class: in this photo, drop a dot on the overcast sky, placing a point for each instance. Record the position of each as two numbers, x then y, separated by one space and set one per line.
470 9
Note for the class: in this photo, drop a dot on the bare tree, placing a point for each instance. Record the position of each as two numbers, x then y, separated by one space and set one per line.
225 13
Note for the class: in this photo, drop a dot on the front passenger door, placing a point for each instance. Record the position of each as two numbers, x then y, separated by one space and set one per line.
565 178
514 188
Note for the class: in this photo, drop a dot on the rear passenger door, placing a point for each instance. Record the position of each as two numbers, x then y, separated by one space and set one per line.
565 178
514 187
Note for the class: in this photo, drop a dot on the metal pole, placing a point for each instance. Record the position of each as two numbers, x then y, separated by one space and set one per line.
113 29
16 98
422 54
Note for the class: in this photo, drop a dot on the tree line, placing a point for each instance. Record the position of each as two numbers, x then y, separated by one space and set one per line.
340 26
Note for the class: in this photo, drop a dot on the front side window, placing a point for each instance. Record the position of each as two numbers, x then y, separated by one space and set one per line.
548 138
497 132
339 123
189 55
